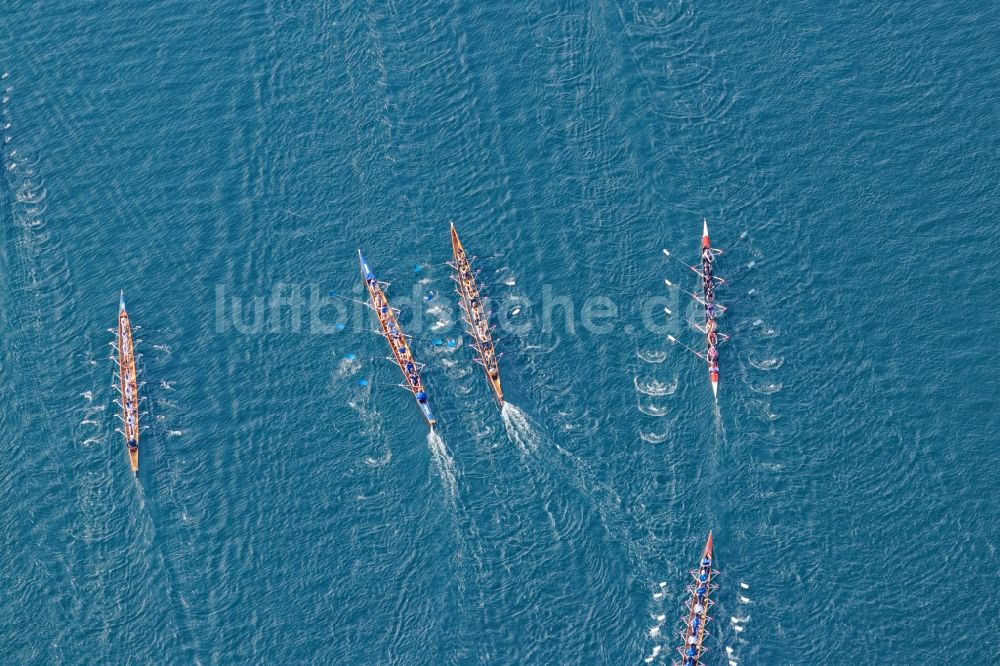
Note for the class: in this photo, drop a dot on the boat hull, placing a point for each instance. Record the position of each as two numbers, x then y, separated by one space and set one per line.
481 340
396 338
128 386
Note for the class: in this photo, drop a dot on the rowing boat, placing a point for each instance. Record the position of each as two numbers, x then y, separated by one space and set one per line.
696 626
398 340
708 291
713 310
477 323
128 388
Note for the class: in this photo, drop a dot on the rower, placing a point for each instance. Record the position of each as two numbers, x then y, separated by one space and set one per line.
494 374
713 354
698 608
421 397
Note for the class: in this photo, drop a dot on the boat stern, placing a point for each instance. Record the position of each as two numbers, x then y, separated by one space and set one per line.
704 234
715 384
121 301
133 458
428 414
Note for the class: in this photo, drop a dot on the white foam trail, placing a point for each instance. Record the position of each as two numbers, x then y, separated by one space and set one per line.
443 461
661 618
519 427
737 628
744 586
658 596
654 632
744 600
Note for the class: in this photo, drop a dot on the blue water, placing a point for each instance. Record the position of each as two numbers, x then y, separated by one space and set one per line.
291 506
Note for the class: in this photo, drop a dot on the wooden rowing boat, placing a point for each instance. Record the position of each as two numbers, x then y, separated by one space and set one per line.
128 387
398 340
474 315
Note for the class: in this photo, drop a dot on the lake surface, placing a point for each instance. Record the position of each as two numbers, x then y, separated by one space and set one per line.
291 506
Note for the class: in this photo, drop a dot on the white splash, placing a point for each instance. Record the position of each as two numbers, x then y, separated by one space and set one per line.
651 356
653 387
443 461
652 410
744 600
653 438
519 427
744 586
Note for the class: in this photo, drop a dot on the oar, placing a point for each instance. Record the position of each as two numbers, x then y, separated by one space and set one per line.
733 276
738 300
333 294
757 322
692 295
689 266
677 342
742 236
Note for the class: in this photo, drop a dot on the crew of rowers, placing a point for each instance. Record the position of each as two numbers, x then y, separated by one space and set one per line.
707 258
131 409
131 416
700 608
479 323
397 341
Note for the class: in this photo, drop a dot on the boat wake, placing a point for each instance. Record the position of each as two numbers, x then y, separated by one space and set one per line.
443 461
381 461
651 356
653 438
767 389
519 427
653 387
767 363
652 410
